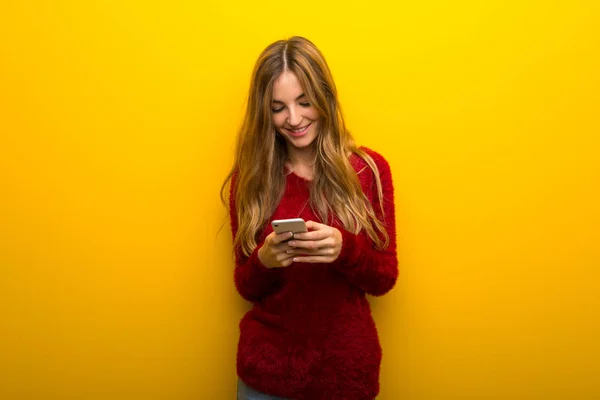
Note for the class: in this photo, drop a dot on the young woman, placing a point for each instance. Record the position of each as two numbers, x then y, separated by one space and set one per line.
310 334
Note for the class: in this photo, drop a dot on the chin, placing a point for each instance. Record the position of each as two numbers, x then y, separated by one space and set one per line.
303 144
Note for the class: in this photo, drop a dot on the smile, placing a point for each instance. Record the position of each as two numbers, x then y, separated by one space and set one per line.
299 131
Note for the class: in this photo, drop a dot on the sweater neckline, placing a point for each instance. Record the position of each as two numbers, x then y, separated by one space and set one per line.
292 173
303 179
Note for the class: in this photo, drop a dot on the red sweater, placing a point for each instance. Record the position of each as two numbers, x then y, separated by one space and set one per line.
310 334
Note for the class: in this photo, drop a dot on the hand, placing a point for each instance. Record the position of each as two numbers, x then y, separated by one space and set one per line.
273 253
321 244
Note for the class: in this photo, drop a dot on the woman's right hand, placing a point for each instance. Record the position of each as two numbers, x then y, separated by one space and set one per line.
273 253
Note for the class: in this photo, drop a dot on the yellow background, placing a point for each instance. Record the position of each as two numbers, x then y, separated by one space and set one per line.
117 125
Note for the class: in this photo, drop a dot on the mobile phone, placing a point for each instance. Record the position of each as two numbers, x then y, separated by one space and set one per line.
294 225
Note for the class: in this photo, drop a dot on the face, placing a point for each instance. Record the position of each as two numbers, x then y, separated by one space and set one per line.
293 116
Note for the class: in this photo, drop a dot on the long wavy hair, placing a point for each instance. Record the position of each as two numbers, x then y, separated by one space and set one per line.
261 153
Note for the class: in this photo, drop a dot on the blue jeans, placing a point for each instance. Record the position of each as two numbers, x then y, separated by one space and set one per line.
245 392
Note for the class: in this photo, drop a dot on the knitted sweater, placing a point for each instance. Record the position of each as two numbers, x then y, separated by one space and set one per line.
310 334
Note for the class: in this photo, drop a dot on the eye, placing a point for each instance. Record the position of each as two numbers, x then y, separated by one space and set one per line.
305 104
277 110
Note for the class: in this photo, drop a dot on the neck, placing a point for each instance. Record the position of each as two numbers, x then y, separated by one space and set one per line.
302 158
301 161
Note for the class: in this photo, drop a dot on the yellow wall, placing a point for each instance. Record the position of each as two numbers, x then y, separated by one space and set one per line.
117 124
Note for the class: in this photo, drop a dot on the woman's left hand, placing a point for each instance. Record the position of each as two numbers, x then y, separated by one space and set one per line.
321 244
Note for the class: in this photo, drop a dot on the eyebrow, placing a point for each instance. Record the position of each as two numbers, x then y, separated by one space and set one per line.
297 98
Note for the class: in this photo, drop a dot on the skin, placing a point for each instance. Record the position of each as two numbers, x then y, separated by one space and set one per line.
322 243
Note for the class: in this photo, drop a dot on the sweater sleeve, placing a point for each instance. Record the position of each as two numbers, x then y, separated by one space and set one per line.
253 280
373 270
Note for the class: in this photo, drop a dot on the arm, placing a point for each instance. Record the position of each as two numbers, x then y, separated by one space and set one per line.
253 280
374 271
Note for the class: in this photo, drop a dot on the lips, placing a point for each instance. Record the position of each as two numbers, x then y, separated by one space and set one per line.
300 131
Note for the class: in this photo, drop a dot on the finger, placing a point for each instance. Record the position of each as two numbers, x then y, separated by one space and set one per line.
281 247
311 244
314 259
288 262
316 231
328 251
313 226
277 239
283 257
313 235
285 260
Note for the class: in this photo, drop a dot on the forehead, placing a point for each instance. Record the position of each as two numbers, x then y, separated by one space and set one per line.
287 87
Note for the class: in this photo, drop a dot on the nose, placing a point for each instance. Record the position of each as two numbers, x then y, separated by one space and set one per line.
294 117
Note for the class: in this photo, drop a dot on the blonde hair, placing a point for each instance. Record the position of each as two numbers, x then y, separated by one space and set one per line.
261 153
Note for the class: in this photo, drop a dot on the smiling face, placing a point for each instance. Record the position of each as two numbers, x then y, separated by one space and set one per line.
293 116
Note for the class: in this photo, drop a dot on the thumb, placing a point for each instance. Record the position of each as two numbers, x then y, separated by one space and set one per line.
313 226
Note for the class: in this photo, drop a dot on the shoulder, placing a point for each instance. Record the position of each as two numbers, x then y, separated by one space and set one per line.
361 166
